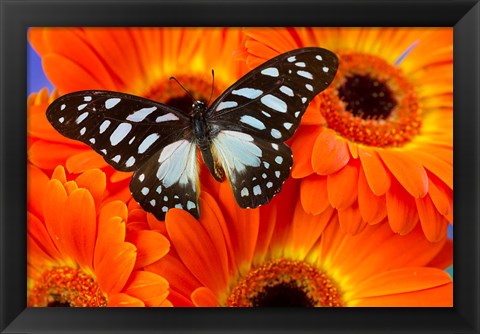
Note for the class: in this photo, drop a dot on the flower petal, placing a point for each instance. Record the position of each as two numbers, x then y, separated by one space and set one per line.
204 297
48 155
314 194
350 220
85 160
409 172
36 184
302 147
329 154
115 267
342 186
123 300
433 223
401 209
186 233
151 247
53 211
377 176
80 227
372 208
150 288
95 182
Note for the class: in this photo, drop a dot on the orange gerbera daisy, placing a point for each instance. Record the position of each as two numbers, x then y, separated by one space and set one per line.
279 255
78 251
138 61
378 142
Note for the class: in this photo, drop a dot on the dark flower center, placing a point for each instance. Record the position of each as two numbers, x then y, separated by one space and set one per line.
366 97
183 103
285 282
283 294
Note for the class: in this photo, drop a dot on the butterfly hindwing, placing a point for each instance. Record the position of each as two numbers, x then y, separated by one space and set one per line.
256 169
169 179
269 101
126 130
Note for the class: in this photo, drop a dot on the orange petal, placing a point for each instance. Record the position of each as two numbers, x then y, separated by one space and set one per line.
350 220
68 75
120 176
85 160
36 184
401 210
123 300
353 148
151 247
176 273
53 211
437 166
111 230
442 197
408 171
80 227
400 281
38 233
306 229
434 225
242 229
95 182
187 234
314 194
329 154
372 208
48 155
444 258
152 289
59 174
204 297
377 176
342 187
439 296
302 147
116 266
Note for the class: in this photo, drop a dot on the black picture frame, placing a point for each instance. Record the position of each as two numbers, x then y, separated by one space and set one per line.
17 16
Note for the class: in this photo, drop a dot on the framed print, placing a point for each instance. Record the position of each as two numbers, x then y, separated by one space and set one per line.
198 166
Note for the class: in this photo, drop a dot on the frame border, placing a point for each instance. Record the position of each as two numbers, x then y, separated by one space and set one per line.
16 16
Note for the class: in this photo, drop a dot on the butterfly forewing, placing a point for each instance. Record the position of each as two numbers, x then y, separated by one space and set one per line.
269 101
126 130
169 179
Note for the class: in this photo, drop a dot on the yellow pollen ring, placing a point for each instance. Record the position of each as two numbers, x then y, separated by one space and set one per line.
316 286
65 286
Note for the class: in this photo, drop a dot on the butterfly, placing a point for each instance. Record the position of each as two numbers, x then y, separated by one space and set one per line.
241 135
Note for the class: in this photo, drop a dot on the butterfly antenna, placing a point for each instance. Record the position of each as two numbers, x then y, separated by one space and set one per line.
186 91
213 85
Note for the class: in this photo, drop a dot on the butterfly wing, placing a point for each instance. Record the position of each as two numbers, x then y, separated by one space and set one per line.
168 179
252 119
125 129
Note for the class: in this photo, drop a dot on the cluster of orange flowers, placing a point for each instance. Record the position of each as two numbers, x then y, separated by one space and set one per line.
362 220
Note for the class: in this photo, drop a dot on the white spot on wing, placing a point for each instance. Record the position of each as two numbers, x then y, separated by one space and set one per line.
116 158
253 122
80 107
87 98
257 190
300 64
61 119
130 162
147 142
305 74
81 118
110 103
62 106
166 118
178 164
286 90
276 134
122 130
83 130
271 72
304 99
226 104
191 205
249 93
318 57
159 189
274 102
269 184
140 115
266 113
287 125
291 59
145 191
244 192
141 177
92 140
309 87
104 126
325 69
153 202
279 160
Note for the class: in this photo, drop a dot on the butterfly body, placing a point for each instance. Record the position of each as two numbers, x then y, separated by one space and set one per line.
241 135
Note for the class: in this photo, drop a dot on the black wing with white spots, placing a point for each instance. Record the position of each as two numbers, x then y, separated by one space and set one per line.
254 117
125 129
